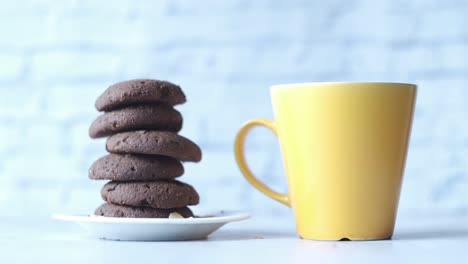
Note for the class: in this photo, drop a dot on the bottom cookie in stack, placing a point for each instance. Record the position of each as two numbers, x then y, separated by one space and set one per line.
155 199
112 210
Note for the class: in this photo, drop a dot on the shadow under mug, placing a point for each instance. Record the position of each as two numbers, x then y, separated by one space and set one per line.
344 149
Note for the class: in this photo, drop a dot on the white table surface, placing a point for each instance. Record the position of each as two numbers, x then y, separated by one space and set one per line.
428 239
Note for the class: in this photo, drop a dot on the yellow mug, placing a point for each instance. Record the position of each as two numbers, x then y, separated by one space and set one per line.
344 147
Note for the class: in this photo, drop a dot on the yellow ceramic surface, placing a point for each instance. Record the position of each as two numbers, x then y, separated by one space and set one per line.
344 148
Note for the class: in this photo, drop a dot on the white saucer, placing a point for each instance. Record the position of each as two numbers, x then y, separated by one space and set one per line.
153 229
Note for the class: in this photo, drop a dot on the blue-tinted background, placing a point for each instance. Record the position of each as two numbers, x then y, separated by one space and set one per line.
56 57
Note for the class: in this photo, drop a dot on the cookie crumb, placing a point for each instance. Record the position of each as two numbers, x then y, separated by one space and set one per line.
175 215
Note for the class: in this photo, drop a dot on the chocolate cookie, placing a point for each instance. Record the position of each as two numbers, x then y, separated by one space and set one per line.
112 210
149 117
155 194
154 143
143 91
118 167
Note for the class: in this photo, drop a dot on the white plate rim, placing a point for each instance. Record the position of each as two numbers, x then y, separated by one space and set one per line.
219 217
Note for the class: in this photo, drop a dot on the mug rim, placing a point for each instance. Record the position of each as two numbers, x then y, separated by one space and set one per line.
296 85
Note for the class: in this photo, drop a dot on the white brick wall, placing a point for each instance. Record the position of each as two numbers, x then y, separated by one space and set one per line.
56 57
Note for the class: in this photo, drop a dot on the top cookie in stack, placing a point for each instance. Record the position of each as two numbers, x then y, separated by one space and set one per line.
145 151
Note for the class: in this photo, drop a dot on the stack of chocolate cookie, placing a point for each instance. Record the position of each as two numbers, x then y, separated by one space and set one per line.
145 151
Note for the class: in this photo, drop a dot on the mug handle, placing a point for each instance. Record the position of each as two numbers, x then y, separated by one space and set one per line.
244 168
